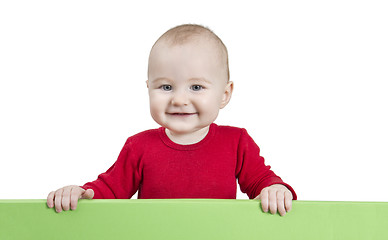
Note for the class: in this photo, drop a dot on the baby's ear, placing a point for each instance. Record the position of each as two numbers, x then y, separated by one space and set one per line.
227 94
147 84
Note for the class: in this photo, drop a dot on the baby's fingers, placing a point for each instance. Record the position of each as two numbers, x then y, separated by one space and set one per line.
88 194
272 198
76 193
66 198
263 196
280 203
50 199
58 200
288 201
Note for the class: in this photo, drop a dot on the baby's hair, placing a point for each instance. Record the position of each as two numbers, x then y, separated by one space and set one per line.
188 32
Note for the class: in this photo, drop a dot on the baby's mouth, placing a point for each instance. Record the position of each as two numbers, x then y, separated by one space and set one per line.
181 114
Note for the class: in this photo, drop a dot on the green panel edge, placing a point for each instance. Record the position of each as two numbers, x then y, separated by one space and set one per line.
192 219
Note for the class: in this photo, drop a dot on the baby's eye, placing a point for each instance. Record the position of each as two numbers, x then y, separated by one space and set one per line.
166 87
196 87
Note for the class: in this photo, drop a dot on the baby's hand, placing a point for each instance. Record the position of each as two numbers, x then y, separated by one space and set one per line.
277 197
67 197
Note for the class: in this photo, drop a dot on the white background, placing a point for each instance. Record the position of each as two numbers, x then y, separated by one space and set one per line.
310 88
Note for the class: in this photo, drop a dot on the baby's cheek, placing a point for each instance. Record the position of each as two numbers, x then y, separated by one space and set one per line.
207 101
209 110
156 111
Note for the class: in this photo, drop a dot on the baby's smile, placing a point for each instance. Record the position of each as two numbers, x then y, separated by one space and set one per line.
181 114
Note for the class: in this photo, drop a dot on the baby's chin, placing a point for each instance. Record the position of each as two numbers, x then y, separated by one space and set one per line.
184 128
181 130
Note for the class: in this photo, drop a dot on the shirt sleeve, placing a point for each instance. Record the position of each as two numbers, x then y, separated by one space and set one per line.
252 173
122 179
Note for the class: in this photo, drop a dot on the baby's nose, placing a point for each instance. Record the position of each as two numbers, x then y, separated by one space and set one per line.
180 98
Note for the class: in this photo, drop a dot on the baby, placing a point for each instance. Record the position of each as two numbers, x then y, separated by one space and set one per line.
189 156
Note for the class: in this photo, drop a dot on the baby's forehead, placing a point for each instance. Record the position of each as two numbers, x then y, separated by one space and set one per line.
198 41
208 48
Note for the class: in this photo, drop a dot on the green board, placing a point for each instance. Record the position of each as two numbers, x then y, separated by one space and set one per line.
192 219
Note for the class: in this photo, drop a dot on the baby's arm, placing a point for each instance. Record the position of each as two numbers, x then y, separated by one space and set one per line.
67 197
276 197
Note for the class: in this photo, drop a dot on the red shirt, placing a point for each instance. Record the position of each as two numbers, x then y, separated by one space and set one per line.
159 168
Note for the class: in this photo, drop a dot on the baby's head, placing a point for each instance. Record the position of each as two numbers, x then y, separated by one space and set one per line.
188 80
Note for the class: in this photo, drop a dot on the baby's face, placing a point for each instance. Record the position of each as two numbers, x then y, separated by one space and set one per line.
187 85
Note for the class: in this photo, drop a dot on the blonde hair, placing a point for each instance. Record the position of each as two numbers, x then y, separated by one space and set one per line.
187 32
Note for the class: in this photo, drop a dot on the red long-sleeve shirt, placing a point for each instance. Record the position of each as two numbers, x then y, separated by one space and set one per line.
159 168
